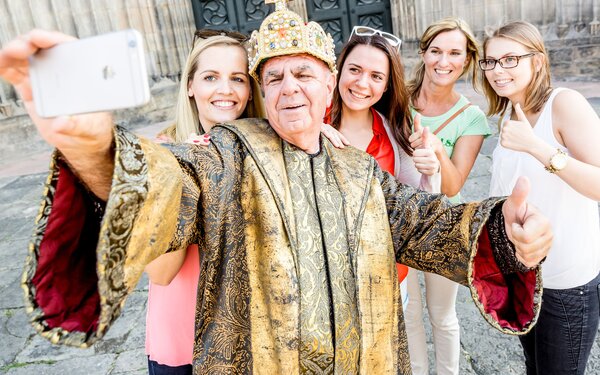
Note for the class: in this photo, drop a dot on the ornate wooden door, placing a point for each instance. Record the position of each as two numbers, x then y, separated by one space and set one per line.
338 17
240 15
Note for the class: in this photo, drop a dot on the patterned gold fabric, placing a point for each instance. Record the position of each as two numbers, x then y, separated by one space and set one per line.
130 235
297 253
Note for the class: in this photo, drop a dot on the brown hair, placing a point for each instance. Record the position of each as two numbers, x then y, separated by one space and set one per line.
436 28
540 87
394 102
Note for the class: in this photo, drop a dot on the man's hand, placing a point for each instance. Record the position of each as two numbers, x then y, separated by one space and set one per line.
525 226
84 140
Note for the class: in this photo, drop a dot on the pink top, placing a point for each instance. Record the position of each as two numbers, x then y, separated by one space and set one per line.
170 315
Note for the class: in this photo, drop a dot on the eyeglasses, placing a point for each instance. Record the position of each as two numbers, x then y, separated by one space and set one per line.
506 62
392 39
208 33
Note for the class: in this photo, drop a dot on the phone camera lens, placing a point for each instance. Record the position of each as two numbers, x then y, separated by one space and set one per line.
132 44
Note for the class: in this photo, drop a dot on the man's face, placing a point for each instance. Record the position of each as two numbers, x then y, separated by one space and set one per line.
297 89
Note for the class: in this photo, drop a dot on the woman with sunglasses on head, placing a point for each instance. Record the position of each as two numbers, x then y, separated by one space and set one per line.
215 87
370 109
551 136
448 52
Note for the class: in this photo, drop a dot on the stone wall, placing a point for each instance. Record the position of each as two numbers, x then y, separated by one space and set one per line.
571 28
575 59
559 17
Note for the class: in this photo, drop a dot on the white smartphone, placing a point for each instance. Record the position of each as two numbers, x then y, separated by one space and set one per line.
99 73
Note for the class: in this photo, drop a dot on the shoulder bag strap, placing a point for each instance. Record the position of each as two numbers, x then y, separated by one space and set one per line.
451 118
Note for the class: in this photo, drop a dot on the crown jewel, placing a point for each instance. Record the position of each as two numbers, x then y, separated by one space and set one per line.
284 32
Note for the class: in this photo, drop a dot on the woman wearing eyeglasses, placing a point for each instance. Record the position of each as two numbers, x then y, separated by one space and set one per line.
370 108
448 52
553 137
215 87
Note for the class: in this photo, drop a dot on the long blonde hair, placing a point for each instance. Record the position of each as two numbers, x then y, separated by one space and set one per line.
436 28
540 87
186 115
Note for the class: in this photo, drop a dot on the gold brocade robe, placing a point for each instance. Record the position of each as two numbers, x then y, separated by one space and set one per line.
297 252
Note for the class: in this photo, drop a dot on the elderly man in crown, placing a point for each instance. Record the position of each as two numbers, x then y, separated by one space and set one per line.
298 240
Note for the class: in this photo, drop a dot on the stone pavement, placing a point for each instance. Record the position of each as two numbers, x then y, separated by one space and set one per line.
484 350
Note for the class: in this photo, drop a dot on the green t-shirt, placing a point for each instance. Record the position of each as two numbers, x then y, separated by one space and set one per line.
471 121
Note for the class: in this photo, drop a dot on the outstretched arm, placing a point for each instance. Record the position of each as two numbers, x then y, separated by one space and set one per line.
85 141
469 244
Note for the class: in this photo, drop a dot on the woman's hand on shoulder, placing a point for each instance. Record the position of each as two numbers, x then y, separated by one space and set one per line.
163 138
335 137
200 140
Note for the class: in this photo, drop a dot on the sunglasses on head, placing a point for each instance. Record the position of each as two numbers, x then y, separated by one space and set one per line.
208 33
392 39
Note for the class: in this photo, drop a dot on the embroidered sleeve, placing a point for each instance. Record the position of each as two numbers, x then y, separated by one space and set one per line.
153 206
504 250
453 241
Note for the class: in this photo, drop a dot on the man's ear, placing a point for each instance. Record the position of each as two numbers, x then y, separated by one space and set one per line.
331 84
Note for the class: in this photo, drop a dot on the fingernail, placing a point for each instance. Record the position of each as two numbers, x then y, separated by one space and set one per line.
196 141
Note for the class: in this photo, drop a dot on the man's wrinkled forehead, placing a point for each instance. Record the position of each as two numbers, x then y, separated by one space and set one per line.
276 65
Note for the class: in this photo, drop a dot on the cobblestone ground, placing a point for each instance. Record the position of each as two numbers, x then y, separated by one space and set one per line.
484 350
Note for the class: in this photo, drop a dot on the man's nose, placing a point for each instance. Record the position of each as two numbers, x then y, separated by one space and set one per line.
289 85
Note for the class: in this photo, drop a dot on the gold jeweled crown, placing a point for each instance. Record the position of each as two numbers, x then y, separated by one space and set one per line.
284 32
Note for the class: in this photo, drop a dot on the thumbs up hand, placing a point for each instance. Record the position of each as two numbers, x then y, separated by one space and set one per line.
518 134
416 138
525 226
426 162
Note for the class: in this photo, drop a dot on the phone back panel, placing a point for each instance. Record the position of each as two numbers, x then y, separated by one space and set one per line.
100 73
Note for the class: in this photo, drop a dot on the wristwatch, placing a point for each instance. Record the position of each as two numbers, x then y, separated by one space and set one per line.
557 161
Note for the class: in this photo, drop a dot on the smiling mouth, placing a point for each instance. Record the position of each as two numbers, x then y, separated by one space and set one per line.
292 106
440 71
502 82
358 95
225 104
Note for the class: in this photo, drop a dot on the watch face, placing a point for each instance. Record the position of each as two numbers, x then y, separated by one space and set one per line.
559 161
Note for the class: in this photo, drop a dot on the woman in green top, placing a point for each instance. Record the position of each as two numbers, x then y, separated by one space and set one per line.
448 51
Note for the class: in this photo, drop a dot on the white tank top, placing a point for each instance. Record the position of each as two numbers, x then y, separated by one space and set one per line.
574 258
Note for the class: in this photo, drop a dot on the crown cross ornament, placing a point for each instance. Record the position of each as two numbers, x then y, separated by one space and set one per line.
284 32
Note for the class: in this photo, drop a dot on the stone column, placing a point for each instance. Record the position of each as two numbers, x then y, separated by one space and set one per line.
299 6
595 24
404 19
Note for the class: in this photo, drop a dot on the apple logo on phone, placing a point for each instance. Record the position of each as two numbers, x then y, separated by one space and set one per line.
108 73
